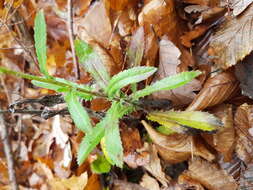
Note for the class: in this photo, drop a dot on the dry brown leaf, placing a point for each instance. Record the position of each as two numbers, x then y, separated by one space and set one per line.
125 23
224 140
119 5
123 185
216 90
210 176
234 40
202 2
193 34
97 23
93 183
149 182
155 168
169 56
131 141
239 6
190 183
243 123
176 148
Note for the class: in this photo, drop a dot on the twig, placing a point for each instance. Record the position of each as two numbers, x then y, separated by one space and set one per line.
8 154
71 38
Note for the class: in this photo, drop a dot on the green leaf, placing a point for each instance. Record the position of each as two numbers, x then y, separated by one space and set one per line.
92 63
165 130
40 39
100 165
90 141
167 83
78 113
194 119
127 77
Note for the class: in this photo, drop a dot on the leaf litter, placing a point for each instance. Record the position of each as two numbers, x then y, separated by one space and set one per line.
125 34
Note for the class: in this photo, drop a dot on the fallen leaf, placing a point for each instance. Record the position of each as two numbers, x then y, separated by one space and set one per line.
188 182
123 185
224 140
73 183
201 2
246 181
216 90
176 148
119 5
239 6
125 23
243 123
136 48
93 183
155 168
149 182
210 176
193 34
244 73
100 30
234 39
169 61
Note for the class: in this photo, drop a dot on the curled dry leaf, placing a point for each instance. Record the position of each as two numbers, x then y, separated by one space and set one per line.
125 23
234 40
224 140
216 90
189 182
176 148
169 56
210 176
193 34
243 124
239 6
155 168
97 23
131 141
201 2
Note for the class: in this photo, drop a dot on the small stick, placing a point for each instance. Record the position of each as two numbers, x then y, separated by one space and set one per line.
8 154
71 38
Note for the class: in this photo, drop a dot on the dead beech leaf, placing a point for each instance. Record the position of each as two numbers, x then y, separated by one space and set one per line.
239 6
125 24
169 56
136 48
73 183
131 141
176 148
210 176
149 182
216 90
243 124
123 185
234 40
190 183
244 73
193 34
97 23
93 183
223 141
154 166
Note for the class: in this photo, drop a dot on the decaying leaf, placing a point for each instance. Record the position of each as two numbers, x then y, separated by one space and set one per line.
243 123
189 182
224 140
210 176
244 73
149 182
233 41
239 6
74 182
97 23
155 168
123 185
176 148
169 56
216 90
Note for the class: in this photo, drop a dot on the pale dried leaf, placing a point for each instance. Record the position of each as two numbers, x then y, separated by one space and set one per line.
188 182
176 148
149 182
216 90
234 40
210 176
239 6
243 122
97 23
123 185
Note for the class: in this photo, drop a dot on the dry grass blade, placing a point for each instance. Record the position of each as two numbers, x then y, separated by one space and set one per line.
215 91
210 176
234 40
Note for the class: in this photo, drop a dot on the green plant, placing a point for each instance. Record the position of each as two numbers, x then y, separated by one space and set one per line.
106 132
